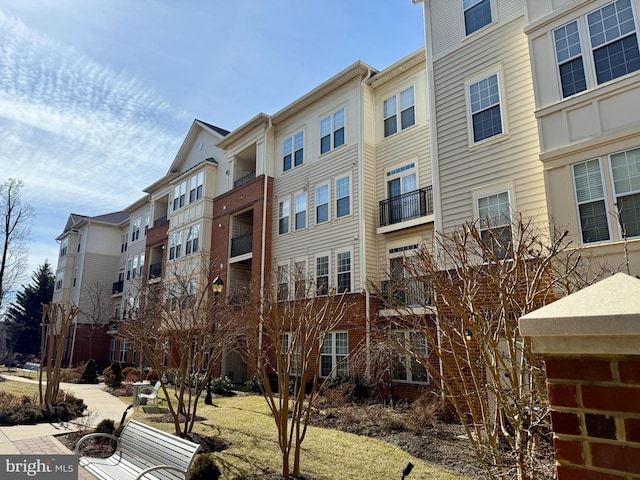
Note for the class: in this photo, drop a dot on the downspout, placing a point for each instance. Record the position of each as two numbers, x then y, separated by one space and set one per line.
363 248
435 165
264 237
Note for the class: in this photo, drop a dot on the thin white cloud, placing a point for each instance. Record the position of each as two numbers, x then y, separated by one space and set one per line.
82 137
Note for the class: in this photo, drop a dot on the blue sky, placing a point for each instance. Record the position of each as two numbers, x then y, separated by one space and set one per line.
96 96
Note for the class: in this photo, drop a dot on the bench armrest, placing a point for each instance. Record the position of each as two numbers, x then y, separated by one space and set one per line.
161 467
76 450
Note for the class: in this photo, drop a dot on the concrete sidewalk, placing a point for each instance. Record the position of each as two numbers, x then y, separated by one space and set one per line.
40 438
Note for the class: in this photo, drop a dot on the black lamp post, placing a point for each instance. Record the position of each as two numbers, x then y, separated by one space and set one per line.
217 285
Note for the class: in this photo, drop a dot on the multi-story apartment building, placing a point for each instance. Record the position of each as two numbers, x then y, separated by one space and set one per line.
586 72
90 250
338 187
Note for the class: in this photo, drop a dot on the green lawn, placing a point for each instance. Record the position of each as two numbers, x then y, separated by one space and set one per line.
245 423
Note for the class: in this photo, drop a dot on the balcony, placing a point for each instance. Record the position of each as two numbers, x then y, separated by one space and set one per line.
244 180
406 292
118 287
160 221
242 244
408 206
155 270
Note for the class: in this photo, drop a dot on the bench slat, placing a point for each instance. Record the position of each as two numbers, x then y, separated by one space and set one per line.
142 447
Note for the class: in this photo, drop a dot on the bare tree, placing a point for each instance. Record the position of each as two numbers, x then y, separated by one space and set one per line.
16 218
56 324
473 284
98 309
294 331
181 323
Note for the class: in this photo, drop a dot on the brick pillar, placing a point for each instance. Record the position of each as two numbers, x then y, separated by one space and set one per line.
590 343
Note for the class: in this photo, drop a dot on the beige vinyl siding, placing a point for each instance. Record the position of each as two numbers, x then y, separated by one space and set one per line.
370 213
447 22
94 268
335 235
512 156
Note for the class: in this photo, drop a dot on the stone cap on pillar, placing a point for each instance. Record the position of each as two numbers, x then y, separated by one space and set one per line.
601 319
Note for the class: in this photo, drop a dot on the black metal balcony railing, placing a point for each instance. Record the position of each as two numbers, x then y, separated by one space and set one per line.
242 244
406 292
244 180
117 287
407 206
155 270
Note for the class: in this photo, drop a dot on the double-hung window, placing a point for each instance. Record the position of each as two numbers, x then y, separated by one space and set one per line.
322 203
293 151
569 57
195 187
147 222
123 351
625 169
283 283
406 99
494 212
344 271
590 196
333 358
343 197
322 274
300 205
283 216
477 15
135 230
484 101
405 367
612 35
175 245
300 280
123 244
179 195
192 244
614 44
327 129
64 244
292 351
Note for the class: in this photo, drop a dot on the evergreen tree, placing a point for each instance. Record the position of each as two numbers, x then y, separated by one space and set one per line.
25 314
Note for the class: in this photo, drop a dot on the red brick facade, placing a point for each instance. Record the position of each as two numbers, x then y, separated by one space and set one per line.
595 402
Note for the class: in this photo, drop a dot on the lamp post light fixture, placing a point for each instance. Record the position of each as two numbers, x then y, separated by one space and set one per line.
217 285
468 335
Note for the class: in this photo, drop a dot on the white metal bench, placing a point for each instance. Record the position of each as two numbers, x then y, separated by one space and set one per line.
141 451
29 368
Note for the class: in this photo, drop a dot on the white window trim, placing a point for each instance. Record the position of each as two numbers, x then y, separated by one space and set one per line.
315 202
286 269
295 211
614 194
582 23
495 70
406 359
351 268
292 136
335 189
289 229
334 362
608 191
332 128
494 20
314 266
399 110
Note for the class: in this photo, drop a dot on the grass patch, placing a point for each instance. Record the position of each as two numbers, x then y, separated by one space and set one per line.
245 423
19 389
